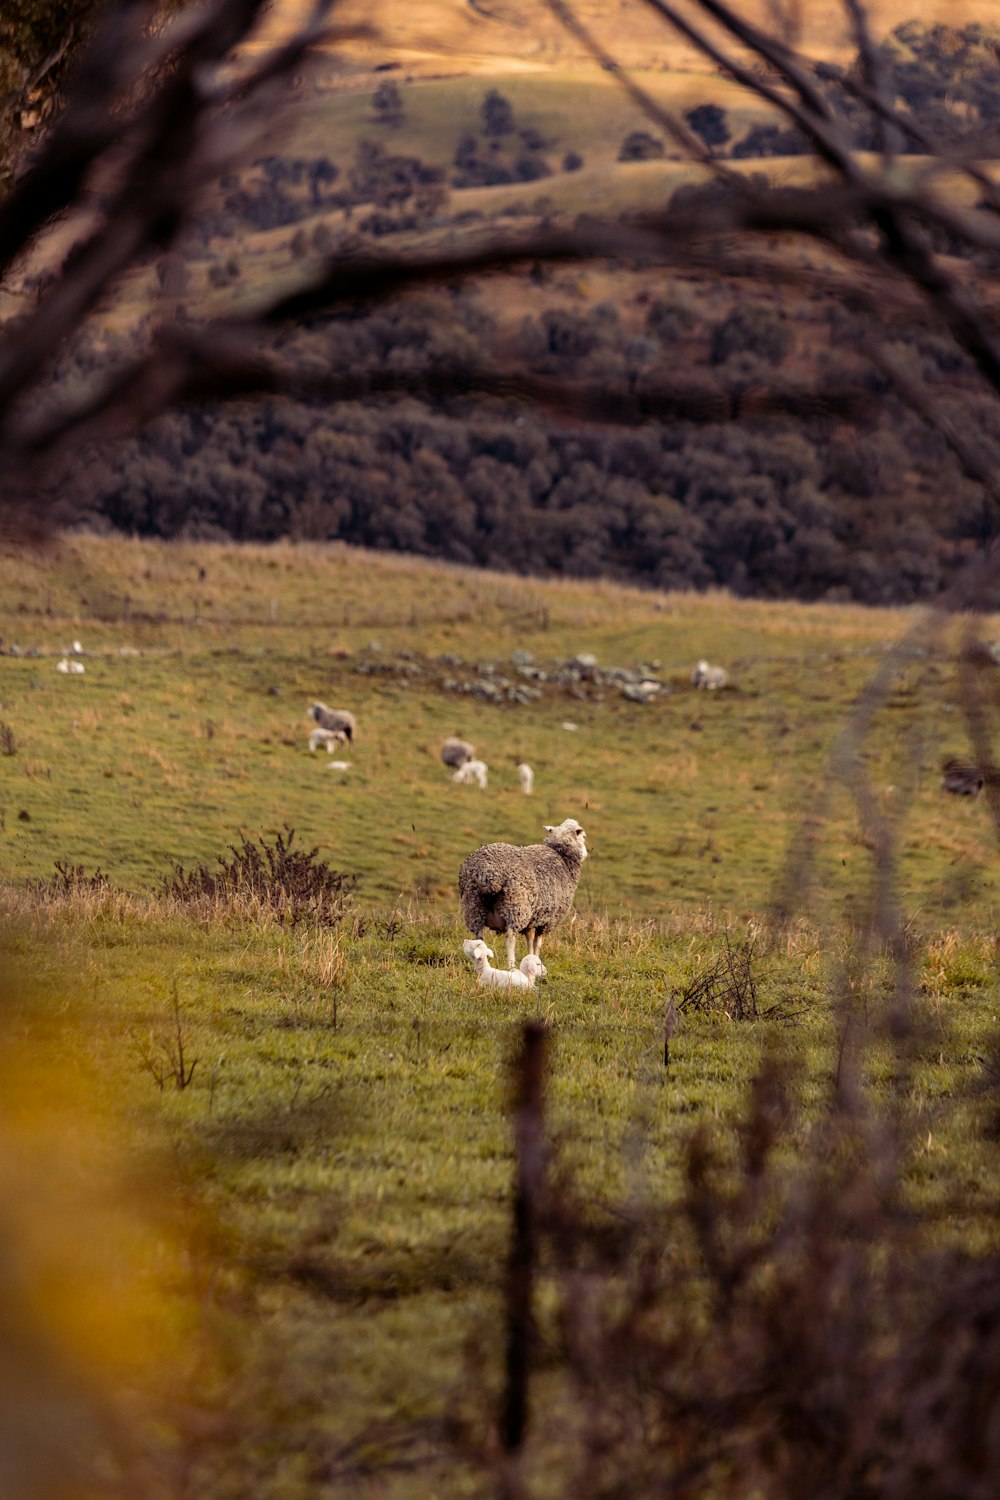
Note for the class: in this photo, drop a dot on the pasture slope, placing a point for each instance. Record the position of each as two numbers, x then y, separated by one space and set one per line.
336 1166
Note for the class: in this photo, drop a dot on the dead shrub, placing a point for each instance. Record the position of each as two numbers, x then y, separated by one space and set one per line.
293 885
728 985
71 880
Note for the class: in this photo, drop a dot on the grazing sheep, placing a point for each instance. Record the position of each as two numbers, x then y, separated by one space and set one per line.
962 780
511 888
526 776
75 667
472 771
327 739
455 752
708 677
521 978
337 720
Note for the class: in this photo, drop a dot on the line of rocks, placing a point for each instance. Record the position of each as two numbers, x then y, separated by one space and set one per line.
522 679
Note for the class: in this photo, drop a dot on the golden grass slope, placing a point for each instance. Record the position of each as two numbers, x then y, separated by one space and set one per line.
525 34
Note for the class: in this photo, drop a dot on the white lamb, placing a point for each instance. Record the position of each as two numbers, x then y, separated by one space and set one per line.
327 739
707 677
526 776
74 667
472 773
522 978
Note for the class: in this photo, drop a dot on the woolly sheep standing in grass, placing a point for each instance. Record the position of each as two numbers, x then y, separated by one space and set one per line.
526 777
527 889
336 720
455 752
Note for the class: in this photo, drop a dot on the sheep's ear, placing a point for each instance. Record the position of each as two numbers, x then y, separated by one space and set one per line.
549 827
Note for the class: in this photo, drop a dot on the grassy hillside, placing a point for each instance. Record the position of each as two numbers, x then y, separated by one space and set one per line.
165 753
296 1136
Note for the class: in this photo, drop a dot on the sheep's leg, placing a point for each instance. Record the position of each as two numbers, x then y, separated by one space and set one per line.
537 950
510 937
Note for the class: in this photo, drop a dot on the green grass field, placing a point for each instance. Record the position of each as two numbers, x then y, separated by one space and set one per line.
315 1225
167 753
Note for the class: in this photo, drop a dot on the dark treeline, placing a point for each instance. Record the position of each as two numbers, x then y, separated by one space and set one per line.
813 509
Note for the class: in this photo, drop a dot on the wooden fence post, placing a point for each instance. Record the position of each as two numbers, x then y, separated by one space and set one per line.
529 1144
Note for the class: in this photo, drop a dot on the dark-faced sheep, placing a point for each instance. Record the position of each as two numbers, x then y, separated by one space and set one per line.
338 720
962 780
512 888
455 752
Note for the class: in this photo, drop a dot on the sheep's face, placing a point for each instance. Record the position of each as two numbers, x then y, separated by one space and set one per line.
477 950
532 966
570 833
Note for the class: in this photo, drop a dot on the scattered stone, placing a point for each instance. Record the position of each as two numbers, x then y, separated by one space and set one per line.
641 692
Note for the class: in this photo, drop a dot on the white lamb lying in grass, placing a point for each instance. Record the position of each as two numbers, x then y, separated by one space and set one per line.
522 978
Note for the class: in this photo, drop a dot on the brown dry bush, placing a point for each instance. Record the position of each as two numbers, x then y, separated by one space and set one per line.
71 880
293 885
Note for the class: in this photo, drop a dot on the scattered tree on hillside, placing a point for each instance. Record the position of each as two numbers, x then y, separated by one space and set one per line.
388 103
639 145
530 167
709 122
322 175
396 182
770 140
752 328
497 114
